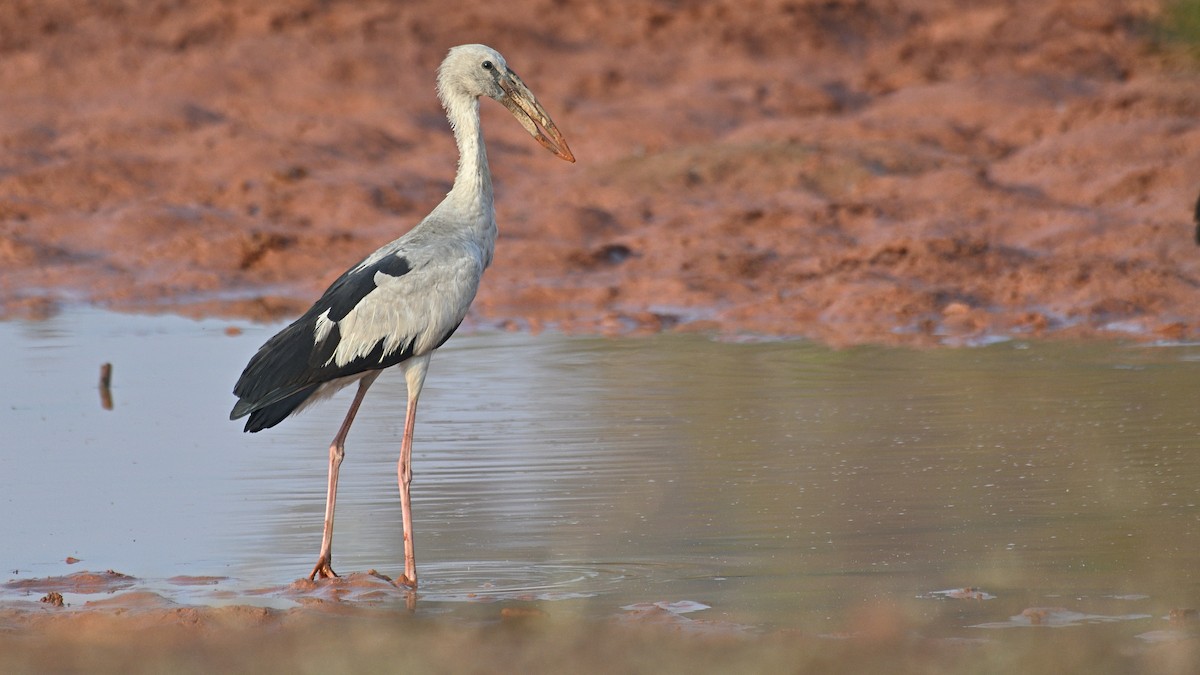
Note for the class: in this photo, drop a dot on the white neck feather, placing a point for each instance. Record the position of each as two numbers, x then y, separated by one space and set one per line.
472 189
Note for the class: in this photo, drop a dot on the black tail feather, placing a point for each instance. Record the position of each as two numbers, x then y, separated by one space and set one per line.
274 413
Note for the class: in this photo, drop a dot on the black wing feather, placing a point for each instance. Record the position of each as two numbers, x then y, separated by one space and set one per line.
348 290
289 367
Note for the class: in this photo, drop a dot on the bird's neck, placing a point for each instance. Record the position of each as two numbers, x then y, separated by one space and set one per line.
472 191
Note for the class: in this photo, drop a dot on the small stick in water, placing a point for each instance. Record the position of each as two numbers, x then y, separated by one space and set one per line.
106 401
1197 215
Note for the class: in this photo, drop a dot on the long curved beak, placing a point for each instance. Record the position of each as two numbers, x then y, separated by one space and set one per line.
525 107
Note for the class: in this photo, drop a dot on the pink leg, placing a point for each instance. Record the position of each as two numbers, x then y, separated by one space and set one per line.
404 472
337 451
414 374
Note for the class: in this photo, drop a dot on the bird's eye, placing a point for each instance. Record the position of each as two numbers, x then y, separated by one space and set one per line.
487 65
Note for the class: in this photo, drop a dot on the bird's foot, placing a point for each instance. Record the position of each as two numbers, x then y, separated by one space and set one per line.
406 581
323 570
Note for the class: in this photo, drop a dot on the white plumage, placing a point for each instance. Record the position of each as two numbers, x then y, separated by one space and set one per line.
404 300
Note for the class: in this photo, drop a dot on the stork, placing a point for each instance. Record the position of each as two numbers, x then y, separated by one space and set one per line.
404 300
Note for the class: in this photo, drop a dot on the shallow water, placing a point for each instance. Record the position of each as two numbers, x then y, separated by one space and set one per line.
782 484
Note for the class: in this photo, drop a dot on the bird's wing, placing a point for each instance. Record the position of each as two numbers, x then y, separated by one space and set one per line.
379 313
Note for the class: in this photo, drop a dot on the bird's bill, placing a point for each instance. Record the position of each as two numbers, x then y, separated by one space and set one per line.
525 107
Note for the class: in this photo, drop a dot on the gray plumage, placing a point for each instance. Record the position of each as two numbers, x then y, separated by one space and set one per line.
406 299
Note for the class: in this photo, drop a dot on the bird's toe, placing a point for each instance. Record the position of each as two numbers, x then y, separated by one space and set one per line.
323 570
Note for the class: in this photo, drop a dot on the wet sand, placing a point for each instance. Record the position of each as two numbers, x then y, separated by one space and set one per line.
895 172
144 632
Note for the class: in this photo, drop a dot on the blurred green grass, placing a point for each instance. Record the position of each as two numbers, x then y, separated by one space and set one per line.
1179 26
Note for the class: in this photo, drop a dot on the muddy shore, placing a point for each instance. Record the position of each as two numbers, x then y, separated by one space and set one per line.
887 172
361 624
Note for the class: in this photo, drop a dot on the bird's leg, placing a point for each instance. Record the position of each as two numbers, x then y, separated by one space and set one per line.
337 450
414 375
404 473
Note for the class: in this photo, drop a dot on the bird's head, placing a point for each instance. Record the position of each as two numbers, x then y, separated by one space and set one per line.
472 71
